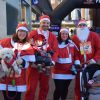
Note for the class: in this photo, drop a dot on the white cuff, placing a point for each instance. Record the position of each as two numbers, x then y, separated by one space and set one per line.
26 64
92 61
77 62
53 62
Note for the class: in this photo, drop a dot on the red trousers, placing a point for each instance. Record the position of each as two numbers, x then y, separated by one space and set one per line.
33 77
77 87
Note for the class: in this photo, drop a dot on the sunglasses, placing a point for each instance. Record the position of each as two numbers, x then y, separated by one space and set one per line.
82 25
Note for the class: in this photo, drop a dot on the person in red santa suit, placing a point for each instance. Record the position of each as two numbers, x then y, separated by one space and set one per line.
13 84
67 57
33 75
88 43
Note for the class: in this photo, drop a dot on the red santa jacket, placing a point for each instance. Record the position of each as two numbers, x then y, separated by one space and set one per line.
27 53
94 42
66 58
51 40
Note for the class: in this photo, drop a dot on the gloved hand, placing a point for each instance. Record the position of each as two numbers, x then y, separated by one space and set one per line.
74 69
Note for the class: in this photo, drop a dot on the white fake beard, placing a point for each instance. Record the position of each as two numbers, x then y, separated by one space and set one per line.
82 34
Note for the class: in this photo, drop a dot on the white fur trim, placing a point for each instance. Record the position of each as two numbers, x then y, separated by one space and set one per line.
30 58
21 88
44 33
92 61
14 44
65 30
25 46
63 76
53 62
64 60
62 45
22 28
73 44
26 64
82 22
47 19
77 62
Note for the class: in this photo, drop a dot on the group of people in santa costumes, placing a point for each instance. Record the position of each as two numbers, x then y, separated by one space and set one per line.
83 48
88 43
22 44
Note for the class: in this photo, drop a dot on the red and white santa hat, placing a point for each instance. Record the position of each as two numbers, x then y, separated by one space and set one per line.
22 26
82 22
65 30
44 17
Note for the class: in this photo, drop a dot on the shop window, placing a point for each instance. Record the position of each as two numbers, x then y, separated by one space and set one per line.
12 19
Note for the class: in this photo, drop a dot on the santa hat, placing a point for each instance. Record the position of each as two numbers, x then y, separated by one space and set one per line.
22 26
65 30
44 17
82 22
39 37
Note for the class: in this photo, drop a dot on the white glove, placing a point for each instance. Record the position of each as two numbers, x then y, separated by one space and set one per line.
53 62
91 81
92 61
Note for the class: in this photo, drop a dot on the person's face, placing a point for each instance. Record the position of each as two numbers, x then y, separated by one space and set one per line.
44 24
22 34
82 26
38 42
64 35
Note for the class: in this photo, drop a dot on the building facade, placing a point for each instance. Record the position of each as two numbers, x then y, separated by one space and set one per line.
12 12
3 24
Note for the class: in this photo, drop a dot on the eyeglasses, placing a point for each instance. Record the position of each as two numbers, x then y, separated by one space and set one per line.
80 25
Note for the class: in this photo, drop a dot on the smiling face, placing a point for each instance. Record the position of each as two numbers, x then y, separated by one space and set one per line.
38 43
64 35
44 25
22 34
